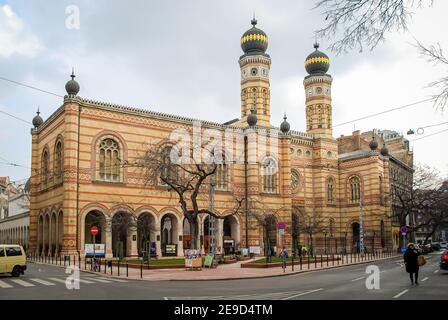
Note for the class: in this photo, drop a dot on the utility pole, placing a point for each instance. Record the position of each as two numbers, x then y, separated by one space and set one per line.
212 220
361 229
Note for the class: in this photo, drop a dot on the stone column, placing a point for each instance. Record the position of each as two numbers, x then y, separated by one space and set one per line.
219 235
180 243
132 250
108 236
158 241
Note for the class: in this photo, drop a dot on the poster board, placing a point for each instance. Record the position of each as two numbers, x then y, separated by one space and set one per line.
209 260
100 250
255 250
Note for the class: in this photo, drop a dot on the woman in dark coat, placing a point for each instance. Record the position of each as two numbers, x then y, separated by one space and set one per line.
410 260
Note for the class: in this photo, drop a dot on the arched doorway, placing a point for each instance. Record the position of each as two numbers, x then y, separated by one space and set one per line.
60 240
146 228
271 235
40 238
383 235
356 237
231 235
53 234
46 234
169 231
121 224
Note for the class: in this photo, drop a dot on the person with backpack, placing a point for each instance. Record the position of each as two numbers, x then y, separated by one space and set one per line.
284 257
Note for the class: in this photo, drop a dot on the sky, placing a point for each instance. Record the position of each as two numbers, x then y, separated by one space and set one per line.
181 57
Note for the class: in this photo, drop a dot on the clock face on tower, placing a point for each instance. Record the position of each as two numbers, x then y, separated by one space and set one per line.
253 71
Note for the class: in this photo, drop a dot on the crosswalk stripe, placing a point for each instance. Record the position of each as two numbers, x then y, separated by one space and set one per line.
436 271
401 293
302 294
112 279
63 280
22 283
360 278
424 279
4 285
99 280
57 280
45 283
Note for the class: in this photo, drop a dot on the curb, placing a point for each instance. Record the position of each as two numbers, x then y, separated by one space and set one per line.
233 278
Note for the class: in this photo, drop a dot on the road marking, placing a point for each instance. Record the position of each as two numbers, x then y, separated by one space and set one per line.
401 293
436 271
424 279
360 278
22 283
4 285
302 294
57 280
46 283
112 279
99 280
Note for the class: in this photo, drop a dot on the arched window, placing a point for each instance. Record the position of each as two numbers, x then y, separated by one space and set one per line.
109 160
45 168
331 227
222 175
381 190
58 161
330 190
168 171
355 189
269 166
295 181
265 102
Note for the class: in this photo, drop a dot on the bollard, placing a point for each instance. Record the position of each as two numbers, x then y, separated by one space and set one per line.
79 262
141 269
300 260
327 260
85 264
292 264
308 261
321 261
118 267
332 258
105 266
315 262
111 268
127 269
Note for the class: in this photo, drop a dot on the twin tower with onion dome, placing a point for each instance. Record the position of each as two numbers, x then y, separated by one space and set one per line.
255 66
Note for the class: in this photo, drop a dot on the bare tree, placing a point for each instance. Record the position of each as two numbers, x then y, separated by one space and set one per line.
264 216
354 24
364 22
162 165
310 224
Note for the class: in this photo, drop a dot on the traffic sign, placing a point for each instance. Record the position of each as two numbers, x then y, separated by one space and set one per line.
94 230
404 229
281 226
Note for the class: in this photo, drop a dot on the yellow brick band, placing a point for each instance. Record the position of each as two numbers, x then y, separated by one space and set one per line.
254 37
316 60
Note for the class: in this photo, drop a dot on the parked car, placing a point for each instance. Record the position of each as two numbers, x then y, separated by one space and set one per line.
436 246
426 248
12 259
444 260
444 245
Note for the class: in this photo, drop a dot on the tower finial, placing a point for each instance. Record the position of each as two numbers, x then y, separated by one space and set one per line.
284 117
38 112
316 44
254 20
73 73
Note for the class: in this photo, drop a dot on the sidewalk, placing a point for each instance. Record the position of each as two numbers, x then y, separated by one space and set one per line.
222 272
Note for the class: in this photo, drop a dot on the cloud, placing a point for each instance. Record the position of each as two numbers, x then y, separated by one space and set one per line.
13 37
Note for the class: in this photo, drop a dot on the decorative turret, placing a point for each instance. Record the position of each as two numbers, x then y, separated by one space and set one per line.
72 87
37 120
285 127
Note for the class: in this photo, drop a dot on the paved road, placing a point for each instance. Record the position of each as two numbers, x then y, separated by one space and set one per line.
48 282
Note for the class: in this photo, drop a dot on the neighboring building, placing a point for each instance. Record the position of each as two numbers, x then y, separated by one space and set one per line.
318 174
14 225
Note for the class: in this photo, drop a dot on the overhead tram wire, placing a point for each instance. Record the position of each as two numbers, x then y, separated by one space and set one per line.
15 117
30 87
429 135
385 111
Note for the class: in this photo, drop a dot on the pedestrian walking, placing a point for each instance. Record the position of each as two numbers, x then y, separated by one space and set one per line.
284 257
411 262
